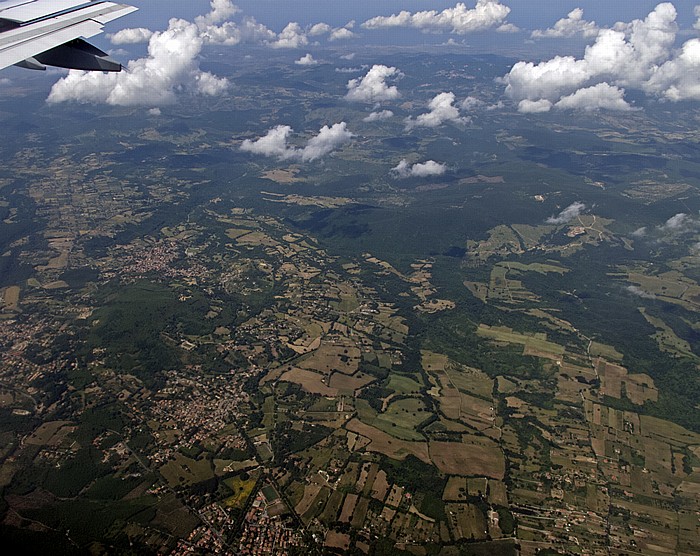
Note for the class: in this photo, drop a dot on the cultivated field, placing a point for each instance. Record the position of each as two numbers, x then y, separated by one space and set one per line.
388 445
474 456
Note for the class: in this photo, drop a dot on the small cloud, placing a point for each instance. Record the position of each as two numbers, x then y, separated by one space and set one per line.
334 34
676 223
307 60
568 214
639 292
131 36
442 109
274 143
373 86
508 28
154 112
351 70
292 36
342 33
319 29
220 10
348 57
534 106
459 20
379 116
327 140
250 31
599 97
208 84
570 26
470 103
215 29
419 170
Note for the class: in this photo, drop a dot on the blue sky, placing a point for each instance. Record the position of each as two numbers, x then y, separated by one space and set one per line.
527 14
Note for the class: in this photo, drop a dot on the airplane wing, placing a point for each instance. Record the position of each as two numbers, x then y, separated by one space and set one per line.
39 33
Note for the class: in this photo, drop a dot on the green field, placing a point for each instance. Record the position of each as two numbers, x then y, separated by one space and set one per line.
536 341
403 384
242 489
400 419
184 471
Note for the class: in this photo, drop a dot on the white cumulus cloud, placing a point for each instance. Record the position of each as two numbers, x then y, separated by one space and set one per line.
221 10
639 55
172 63
209 84
214 27
307 60
131 36
570 26
327 140
679 78
547 80
373 86
274 143
319 29
460 19
599 97
251 31
171 66
342 33
419 170
442 109
296 36
508 28
292 36
568 214
527 106
379 116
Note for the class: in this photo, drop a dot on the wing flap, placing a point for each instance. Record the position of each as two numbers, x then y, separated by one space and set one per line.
78 54
27 49
119 10
23 12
